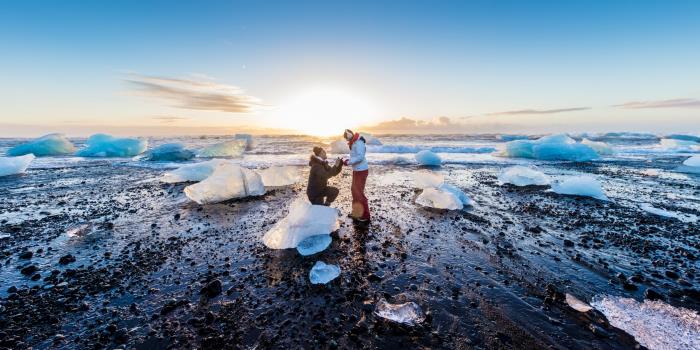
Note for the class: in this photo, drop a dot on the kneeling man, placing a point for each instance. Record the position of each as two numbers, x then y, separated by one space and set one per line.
318 190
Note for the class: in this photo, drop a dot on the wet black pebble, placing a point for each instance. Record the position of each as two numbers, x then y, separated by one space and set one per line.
568 243
652 295
212 289
66 259
26 255
29 270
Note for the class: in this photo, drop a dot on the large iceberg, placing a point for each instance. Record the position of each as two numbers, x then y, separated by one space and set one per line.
304 220
231 149
653 323
248 140
553 147
278 176
193 172
693 161
582 185
170 152
428 158
102 145
523 176
340 147
15 165
228 181
323 273
601 148
47 145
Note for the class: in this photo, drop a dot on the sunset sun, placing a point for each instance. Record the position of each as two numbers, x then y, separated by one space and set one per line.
325 111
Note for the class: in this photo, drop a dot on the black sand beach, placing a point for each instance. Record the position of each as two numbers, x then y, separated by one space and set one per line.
106 256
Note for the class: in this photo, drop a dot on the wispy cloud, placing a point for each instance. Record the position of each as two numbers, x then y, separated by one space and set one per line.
168 118
541 111
195 93
672 103
439 124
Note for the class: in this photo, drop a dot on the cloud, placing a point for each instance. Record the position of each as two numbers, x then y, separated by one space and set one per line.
408 125
673 103
168 118
195 93
541 111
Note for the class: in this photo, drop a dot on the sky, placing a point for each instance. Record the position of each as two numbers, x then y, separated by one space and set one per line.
317 67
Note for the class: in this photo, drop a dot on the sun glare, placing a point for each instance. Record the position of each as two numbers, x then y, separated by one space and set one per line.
325 112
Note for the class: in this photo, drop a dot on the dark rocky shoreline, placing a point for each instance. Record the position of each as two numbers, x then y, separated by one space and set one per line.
146 268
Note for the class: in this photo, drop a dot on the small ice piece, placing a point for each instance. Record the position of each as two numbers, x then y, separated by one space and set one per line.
193 172
693 161
304 220
4 235
339 147
47 145
439 199
679 145
102 145
426 179
371 140
170 152
79 230
408 313
231 149
428 158
247 139
582 185
323 273
601 148
15 165
654 324
667 214
314 244
466 201
577 304
227 182
523 176
278 176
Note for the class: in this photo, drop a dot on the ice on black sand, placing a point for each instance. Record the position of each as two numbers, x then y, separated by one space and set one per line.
15 165
438 194
582 185
304 220
314 244
323 273
523 176
408 313
227 182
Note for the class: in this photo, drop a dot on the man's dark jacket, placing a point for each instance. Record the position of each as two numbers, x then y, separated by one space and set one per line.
319 174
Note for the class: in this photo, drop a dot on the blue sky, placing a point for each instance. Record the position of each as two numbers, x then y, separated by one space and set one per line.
487 65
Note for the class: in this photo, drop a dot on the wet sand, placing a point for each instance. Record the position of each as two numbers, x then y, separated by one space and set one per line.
123 261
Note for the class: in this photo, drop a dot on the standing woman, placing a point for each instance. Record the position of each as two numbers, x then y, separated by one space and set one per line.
360 170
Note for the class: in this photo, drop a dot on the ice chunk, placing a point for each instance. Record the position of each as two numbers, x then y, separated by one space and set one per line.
370 140
47 145
466 201
601 148
513 137
693 161
684 137
428 158
231 149
523 176
553 147
228 181
314 244
439 199
583 185
247 139
170 152
667 214
278 176
102 145
679 145
577 304
323 273
654 324
193 172
339 147
304 220
399 160
426 178
408 313
15 165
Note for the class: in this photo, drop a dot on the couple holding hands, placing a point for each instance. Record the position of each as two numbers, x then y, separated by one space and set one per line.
320 193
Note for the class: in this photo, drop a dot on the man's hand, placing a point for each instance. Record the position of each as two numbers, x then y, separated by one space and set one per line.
346 161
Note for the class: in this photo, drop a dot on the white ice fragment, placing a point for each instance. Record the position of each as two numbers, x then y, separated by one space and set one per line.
577 304
408 313
47 145
248 140
428 158
103 145
340 147
466 201
439 199
601 148
323 273
667 214
278 176
227 182
693 161
230 149
15 165
4 235
304 220
523 176
426 178
193 172
582 185
314 244
654 324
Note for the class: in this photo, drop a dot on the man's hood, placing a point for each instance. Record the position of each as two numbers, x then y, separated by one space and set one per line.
315 160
